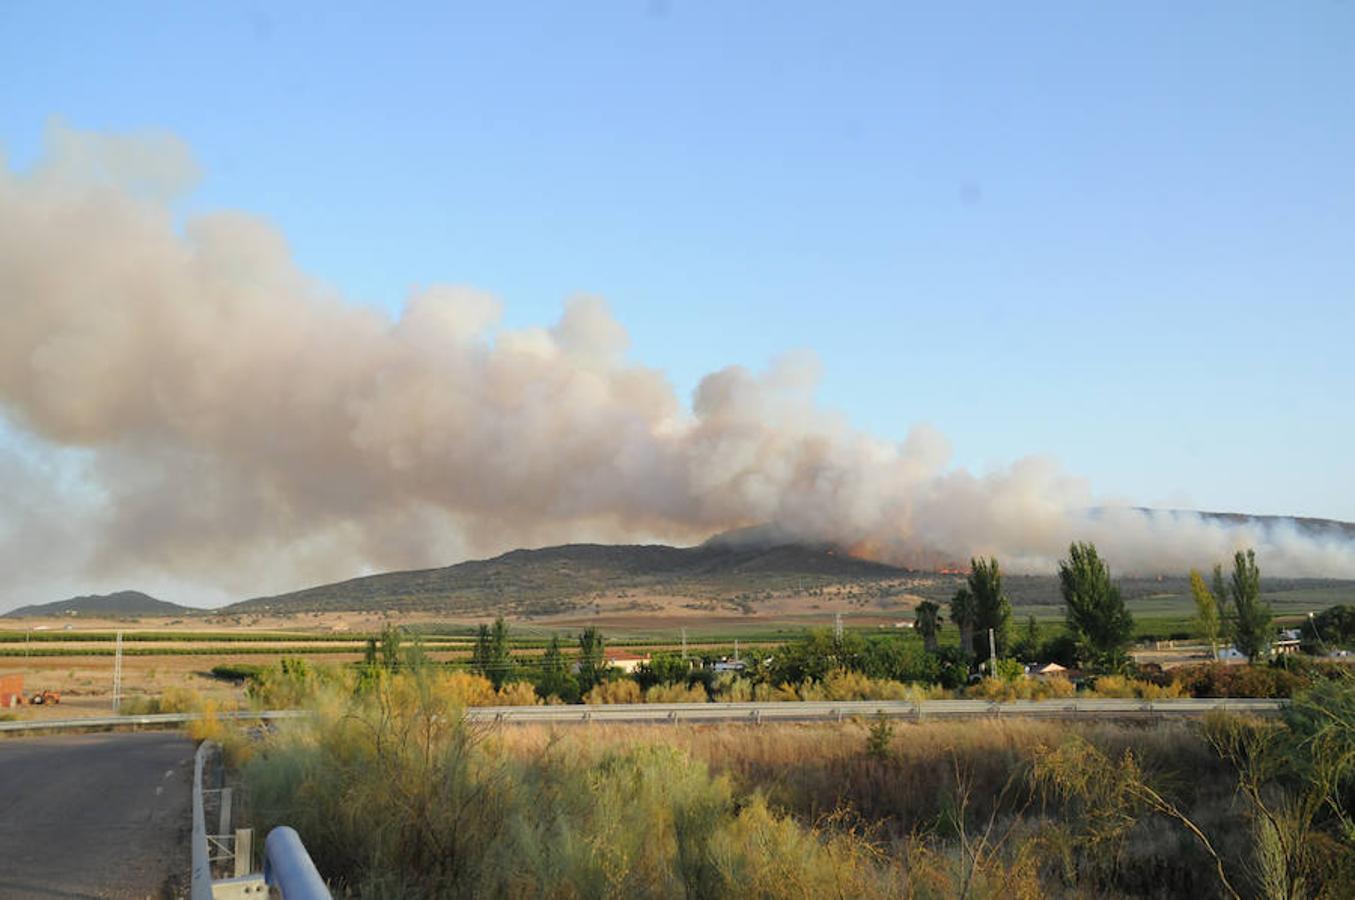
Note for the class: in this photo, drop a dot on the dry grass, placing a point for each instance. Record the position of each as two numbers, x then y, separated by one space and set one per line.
816 770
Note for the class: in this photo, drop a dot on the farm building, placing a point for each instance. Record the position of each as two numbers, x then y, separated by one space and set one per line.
626 662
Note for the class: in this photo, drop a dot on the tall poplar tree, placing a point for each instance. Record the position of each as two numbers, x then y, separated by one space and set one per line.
1095 610
1207 619
1251 615
992 610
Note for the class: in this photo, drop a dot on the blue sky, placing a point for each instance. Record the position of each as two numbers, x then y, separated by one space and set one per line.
1123 236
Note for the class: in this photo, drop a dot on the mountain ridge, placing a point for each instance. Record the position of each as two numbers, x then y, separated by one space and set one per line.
118 603
555 579
745 562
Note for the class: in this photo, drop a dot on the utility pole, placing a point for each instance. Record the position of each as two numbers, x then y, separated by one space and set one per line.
736 649
684 643
1317 634
117 672
837 627
992 654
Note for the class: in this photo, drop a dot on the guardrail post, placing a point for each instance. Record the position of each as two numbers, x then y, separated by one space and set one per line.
224 827
244 851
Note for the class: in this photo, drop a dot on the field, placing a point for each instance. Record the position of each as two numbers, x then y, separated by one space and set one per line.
73 655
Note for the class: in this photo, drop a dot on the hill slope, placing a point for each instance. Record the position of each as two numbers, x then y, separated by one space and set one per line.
1303 525
556 579
121 603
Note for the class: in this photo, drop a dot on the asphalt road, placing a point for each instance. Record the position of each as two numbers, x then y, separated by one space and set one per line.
95 815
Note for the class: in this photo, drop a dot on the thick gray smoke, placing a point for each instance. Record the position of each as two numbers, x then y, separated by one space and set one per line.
185 401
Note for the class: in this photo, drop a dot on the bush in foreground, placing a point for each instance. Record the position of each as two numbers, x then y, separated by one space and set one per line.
398 797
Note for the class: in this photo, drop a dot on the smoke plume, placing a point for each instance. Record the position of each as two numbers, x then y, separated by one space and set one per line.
183 400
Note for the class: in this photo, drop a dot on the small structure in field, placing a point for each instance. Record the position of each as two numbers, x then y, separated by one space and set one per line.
1046 670
11 691
1285 646
626 662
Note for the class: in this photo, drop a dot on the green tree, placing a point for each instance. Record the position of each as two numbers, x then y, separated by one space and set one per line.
816 654
369 673
555 680
413 658
963 612
592 661
1333 627
890 656
1251 615
1207 619
928 623
390 648
1027 646
1095 610
497 660
479 654
663 668
992 610
1219 588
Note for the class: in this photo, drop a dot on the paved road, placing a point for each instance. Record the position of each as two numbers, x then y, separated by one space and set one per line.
95 815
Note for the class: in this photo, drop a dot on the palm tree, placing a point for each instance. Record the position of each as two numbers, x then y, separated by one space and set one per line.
963 612
928 623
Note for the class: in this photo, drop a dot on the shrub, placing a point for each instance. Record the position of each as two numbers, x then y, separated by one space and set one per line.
517 693
730 688
1221 680
458 688
1134 688
1021 689
396 795
292 684
180 700
880 738
676 693
850 686
171 700
1008 669
621 690
237 672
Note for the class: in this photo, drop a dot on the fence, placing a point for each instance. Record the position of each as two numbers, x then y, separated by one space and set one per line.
287 866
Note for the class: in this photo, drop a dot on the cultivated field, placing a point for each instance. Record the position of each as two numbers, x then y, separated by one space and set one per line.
74 654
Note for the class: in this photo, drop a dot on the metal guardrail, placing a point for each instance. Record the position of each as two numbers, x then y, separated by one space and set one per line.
201 888
149 719
750 712
896 709
288 867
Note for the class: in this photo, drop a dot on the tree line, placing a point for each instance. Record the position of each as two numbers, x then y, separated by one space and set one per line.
1096 638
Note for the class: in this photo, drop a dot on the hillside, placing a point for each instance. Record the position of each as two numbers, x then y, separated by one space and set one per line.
1303 525
121 603
558 579
737 570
